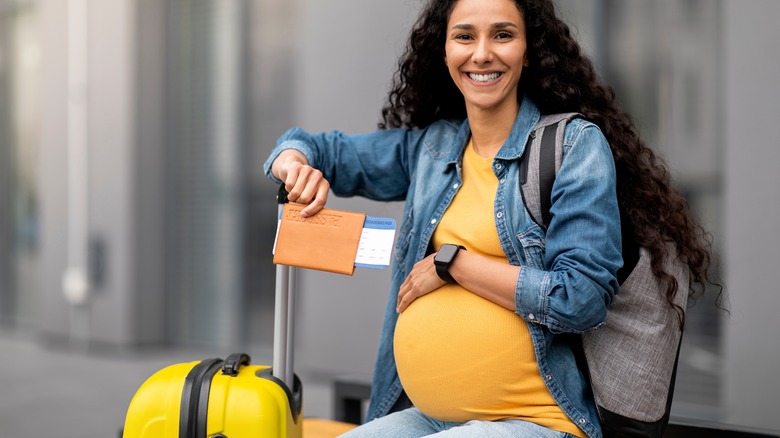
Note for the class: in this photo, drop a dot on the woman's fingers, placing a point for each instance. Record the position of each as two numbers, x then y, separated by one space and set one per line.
421 281
306 185
304 182
319 200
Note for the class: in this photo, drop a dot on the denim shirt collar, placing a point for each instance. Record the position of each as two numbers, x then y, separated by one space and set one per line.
513 147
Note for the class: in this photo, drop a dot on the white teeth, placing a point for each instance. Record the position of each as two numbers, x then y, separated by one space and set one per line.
484 78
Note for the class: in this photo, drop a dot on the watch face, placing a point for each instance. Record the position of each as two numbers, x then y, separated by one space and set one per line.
446 253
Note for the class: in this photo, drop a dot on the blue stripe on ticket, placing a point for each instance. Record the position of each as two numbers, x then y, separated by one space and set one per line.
379 223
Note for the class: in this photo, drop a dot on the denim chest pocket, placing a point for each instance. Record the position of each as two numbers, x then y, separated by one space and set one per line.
532 243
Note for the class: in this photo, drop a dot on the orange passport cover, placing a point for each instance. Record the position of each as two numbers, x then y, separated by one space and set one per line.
327 241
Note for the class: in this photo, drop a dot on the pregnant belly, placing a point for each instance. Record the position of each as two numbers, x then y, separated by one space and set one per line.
461 357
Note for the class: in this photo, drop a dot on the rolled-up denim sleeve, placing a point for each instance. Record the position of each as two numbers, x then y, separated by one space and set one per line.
377 165
582 244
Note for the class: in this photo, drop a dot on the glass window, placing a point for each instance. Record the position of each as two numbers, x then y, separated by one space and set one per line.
19 129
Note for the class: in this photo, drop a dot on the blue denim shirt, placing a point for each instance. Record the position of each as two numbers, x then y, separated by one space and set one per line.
568 275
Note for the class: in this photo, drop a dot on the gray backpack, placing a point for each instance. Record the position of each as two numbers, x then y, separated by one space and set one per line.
632 359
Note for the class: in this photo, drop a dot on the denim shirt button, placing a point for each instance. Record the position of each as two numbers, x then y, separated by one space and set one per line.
548 377
531 316
455 186
500 215
433 221
499 166
502 180
582 421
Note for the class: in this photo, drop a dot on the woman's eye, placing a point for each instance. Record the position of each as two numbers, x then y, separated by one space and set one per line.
504 35
463 37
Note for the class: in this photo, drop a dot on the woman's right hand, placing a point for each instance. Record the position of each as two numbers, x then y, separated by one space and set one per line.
305 184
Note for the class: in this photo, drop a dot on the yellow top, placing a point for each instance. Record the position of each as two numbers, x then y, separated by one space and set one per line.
461 357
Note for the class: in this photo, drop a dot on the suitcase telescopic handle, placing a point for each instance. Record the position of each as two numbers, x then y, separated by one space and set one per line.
284 309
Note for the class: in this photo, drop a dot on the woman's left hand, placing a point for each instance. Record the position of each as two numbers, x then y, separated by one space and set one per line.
421 281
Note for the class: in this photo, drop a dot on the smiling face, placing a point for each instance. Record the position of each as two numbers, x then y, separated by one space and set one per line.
486 52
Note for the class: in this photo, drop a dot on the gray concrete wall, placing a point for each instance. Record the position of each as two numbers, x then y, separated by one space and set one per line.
111 163
148 174
123 177
752 211
51 314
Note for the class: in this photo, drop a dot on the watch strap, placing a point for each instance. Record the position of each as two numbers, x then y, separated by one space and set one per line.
444 273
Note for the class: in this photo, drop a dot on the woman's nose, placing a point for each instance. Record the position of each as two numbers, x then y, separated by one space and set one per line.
483 52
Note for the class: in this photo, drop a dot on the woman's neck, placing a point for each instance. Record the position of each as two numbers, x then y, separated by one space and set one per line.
490 129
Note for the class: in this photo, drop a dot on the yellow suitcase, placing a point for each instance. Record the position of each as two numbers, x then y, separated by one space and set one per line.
229 398
215 398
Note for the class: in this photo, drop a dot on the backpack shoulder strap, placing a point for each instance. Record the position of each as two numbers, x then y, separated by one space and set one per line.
539 164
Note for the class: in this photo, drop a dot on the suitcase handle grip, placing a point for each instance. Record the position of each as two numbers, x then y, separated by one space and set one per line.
233 363
281 195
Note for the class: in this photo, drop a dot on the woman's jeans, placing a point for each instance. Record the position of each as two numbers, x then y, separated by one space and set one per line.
411 423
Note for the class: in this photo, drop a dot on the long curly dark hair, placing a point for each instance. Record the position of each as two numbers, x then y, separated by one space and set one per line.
560 78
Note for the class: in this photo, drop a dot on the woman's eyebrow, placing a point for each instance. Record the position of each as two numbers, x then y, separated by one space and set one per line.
463 26
499 25
504 25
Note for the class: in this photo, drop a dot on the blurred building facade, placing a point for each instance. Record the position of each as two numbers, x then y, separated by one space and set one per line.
133 209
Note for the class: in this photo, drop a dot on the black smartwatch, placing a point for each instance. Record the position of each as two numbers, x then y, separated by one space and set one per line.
443 259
